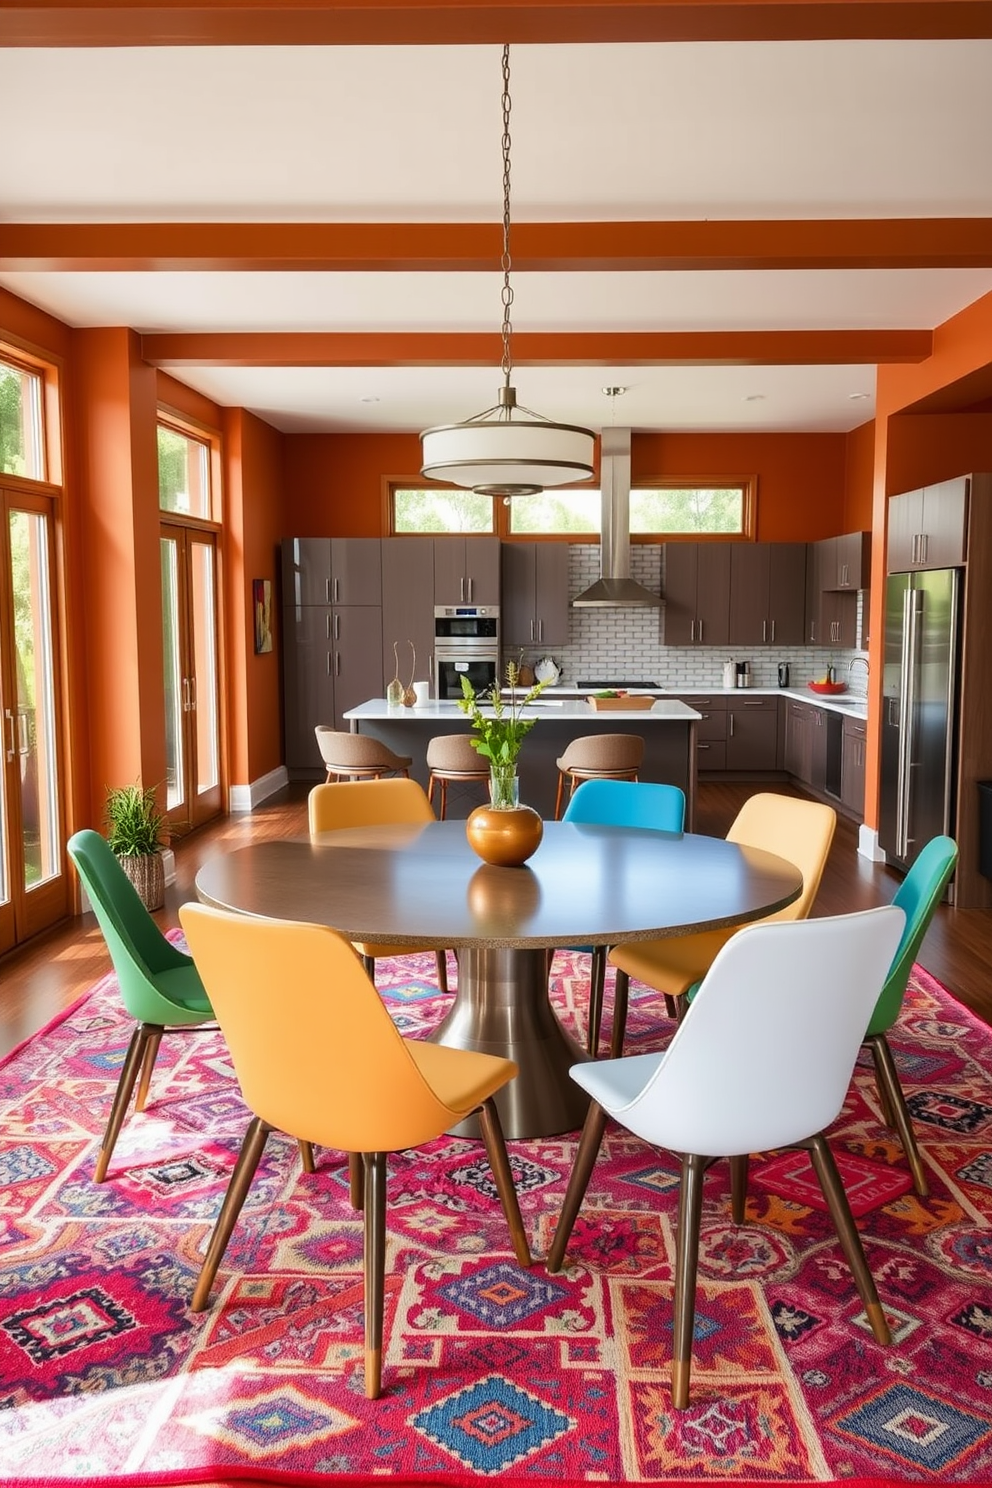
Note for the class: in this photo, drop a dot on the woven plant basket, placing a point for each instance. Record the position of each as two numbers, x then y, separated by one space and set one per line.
147 875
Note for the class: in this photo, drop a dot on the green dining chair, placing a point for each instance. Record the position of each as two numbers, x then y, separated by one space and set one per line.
917 896
620 803
159 985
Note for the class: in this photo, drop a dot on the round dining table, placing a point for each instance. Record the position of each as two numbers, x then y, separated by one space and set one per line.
423 885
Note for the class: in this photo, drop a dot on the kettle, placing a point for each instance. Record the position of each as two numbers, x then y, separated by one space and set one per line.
783 674
547 670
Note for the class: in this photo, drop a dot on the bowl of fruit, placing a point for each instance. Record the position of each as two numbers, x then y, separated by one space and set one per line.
827 688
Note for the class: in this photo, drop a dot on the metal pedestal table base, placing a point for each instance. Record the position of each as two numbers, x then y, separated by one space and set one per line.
502 1007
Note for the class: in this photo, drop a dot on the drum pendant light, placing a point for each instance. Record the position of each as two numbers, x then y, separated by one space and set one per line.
508 450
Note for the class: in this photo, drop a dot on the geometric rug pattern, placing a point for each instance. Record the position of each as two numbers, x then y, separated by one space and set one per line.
489 1372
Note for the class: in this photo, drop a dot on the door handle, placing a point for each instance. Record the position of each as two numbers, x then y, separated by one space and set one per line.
192 693
185 694
11 747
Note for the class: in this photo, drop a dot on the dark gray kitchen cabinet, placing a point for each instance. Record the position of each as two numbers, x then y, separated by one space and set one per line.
331 570
356 657
845 561
752 733
767 594
466 570
308 682
534 588
711 730
697 594
832 605
853 758
408 606
928 528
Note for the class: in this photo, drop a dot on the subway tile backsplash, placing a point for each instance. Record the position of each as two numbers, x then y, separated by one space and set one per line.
629 644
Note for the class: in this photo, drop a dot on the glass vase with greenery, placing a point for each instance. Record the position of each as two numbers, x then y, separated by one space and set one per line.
501 730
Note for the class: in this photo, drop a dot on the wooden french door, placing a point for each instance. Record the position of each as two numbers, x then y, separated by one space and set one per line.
33 887
192 686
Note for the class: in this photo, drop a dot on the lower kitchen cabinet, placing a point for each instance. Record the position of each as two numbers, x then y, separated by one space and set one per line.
711 730
332 661
752 733
806 744
852 770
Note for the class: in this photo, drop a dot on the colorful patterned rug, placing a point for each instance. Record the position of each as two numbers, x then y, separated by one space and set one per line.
489 1372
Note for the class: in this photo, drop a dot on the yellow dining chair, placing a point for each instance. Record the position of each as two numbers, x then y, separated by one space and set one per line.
793 828
325 1063
372 803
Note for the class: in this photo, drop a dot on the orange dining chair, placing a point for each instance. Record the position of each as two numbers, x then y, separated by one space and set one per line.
370 803
793 828
324 1062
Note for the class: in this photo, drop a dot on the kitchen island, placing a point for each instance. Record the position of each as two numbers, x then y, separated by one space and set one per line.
668 729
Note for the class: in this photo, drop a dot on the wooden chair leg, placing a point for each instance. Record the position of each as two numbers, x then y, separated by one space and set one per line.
307 1157
369 963
444 799
492 1135
738 1188
847 1233
558 797
597 982
894 1101
430 790
442 969
356 1180
147 1065
237 1191
375 1269
585 1160
621 994
686 1266
122 1096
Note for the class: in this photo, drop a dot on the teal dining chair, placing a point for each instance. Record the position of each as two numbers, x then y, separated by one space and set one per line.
159 985
917 896
620 803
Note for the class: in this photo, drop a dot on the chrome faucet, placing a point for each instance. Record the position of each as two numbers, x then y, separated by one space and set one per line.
858 661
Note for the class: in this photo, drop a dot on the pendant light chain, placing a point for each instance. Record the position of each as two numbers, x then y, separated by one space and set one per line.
507 294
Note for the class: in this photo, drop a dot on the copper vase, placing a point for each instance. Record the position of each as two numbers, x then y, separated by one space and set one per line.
504 832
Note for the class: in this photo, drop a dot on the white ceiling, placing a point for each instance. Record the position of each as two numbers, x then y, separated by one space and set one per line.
605 132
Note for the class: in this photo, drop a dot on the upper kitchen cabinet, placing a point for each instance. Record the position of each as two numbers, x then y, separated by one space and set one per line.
331 570
845 561
534 594
697 593
928 528
407 604
767 594
466 570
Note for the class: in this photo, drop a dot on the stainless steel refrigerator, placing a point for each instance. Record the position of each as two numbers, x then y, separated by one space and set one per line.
919 712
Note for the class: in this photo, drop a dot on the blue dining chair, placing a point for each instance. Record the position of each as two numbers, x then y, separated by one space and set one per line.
917 896
620 803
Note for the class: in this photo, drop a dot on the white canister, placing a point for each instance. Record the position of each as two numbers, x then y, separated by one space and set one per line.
729 674
421 694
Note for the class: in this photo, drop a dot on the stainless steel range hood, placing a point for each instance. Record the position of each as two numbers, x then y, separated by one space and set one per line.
615 589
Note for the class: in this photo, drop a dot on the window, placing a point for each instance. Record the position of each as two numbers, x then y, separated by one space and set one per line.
435 509
661 510
22 445
573 510
183 473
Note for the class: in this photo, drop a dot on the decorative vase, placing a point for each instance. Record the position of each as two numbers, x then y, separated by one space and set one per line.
504 833
395 690
147 876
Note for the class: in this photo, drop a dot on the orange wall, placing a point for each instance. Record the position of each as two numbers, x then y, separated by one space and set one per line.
253 527
859 479
334 481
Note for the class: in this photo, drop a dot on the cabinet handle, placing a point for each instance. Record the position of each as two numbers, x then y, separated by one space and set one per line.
461 590
337 590
692 630
328 663
764 630
731 725
700 631
337 663
327 590
532 630
704 746
812 631
327 627
337 627
540 630
773 631
471 586
926 547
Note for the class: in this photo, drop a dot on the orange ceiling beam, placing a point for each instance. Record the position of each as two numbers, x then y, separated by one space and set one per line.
439 22
534 348
886 243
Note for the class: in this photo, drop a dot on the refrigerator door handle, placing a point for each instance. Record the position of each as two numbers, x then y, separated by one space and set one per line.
912 605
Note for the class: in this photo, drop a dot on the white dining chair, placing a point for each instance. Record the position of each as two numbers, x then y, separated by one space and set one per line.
762 1059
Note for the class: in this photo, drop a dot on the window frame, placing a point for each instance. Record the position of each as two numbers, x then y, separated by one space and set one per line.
180 423
48 369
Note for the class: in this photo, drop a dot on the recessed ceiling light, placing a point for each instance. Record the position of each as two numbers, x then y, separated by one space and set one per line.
858 397
754 398
614 392
368 400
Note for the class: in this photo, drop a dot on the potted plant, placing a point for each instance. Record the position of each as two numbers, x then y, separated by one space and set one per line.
134 834
504 832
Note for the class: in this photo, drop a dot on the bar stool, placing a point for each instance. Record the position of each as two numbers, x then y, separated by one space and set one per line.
451 757
356 756
598 757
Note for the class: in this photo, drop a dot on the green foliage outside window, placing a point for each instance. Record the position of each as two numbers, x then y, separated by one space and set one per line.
20 418
576 510
183 473
687 509
435 510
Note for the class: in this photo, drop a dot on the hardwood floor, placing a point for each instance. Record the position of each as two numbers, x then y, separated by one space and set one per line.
39 980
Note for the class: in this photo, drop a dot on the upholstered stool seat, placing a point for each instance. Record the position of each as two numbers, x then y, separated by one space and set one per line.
357 757
598 757
452 758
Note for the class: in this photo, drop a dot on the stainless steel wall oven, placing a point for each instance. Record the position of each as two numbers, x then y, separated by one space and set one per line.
466 644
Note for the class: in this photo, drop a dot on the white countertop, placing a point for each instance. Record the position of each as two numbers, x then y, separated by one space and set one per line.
853 704
663 710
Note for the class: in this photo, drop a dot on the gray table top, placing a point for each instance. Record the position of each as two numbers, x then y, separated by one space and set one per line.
424 885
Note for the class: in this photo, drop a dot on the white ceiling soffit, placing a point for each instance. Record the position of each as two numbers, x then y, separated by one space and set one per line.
606 132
